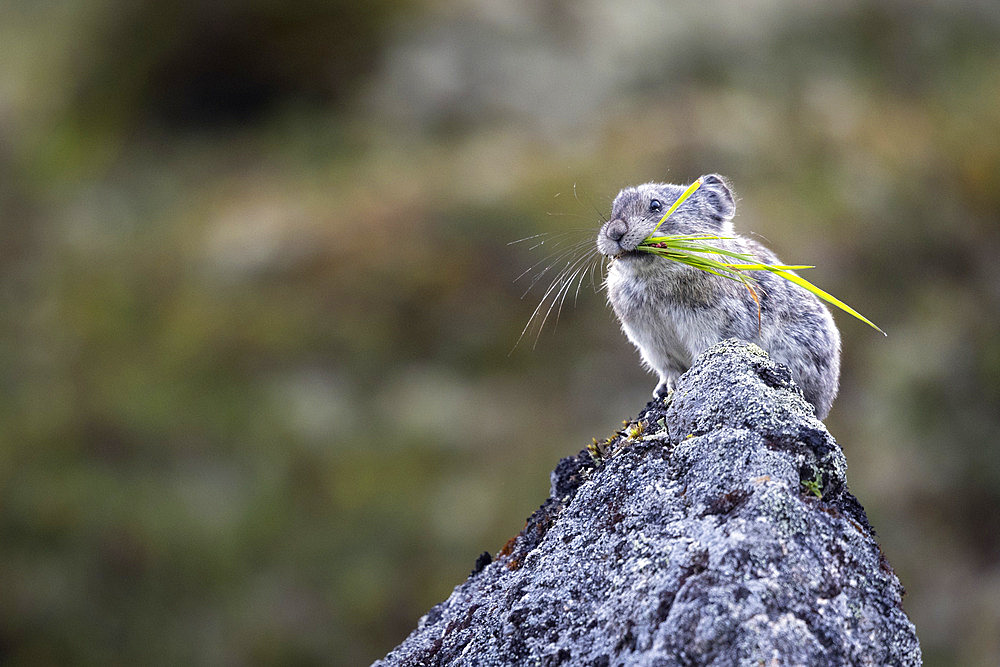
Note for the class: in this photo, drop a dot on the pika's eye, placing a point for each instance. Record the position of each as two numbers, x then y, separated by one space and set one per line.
655 205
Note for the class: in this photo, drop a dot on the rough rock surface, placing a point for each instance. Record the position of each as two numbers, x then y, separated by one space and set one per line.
722 534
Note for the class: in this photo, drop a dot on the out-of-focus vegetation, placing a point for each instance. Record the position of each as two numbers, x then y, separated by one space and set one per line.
257 295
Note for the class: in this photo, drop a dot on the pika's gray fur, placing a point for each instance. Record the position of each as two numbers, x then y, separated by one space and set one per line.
673 312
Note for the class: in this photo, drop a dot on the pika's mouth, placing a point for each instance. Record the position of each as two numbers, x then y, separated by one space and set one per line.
630 257
630 254
616 249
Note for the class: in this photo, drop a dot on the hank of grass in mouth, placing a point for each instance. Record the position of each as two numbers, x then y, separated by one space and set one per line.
693 251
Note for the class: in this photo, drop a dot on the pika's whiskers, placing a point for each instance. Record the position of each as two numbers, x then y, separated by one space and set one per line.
572 259
551 260
554 259
590 202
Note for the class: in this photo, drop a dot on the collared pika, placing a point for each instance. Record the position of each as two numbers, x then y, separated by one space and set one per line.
673 312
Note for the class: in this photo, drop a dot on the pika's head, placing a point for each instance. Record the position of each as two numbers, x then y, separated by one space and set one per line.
636 212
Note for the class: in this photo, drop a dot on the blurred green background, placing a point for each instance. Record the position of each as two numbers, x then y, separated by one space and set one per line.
259 404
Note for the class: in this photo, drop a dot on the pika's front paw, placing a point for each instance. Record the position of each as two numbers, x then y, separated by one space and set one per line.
664 389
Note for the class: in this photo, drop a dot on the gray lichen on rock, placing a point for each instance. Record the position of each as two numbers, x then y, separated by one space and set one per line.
723 534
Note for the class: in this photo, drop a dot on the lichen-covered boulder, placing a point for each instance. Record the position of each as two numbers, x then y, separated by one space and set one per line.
716 529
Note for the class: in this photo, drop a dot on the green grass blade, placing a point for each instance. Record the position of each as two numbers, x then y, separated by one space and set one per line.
680 200
679 253
685 237
770 267
805 284
701 263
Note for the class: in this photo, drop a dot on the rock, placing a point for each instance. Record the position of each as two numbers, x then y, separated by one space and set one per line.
722 534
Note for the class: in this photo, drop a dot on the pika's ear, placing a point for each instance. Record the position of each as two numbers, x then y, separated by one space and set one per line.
718 197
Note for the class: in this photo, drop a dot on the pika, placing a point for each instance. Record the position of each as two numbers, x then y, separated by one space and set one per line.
673 312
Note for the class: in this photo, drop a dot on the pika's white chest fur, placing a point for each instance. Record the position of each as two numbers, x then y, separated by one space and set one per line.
668 333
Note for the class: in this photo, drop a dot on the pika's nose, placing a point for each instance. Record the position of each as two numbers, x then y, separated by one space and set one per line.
615 230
